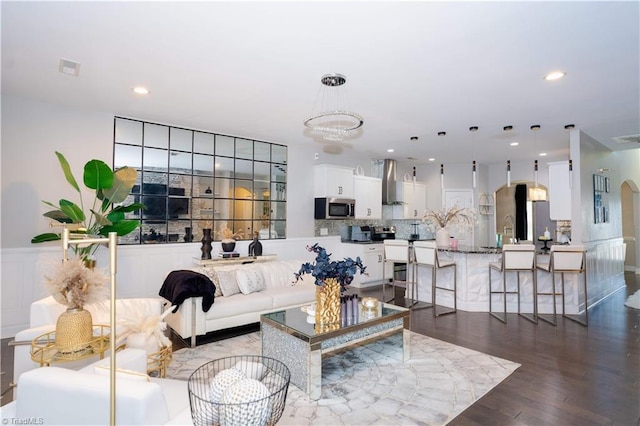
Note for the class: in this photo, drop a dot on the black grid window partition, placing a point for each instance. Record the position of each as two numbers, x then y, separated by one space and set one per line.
191 180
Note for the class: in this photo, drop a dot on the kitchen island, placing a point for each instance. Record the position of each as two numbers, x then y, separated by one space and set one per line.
472 265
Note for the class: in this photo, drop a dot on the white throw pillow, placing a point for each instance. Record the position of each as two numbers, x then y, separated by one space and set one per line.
228 282
250 280
212 275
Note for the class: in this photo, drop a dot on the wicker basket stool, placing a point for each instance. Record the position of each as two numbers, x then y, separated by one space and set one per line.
239 390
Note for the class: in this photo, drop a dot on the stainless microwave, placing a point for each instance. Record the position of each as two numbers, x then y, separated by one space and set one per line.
334 208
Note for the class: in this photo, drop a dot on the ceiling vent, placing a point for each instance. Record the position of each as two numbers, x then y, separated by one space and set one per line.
627 139
69 67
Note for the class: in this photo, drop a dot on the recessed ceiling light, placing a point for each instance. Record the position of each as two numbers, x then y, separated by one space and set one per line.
514 143
432 159
555 75
442 133
569 126
414 138
141 90
390 150
543 154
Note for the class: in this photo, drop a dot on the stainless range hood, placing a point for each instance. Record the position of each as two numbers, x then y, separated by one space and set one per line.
389 192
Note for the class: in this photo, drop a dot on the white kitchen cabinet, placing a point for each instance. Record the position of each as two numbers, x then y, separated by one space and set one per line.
559 191
333 181
372 256
368 196
413 197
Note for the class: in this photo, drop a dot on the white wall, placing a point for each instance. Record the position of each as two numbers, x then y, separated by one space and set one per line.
32 131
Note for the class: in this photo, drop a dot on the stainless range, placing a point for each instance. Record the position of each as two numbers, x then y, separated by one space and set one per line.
381 233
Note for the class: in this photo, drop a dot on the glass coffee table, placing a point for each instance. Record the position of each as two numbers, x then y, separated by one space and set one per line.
288 336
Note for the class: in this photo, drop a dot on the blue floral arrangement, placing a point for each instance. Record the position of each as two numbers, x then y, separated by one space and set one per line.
323 267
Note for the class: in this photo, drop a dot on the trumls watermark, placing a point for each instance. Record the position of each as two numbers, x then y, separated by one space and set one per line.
23 421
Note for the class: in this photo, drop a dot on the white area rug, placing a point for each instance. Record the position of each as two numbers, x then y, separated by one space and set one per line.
369 384
633 301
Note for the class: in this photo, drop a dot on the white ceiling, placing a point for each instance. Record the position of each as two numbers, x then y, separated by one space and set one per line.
414 68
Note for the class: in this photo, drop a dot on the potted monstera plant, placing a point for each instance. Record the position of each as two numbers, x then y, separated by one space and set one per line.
106 212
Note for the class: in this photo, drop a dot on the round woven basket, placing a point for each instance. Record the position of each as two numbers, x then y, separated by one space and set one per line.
74 330
254 395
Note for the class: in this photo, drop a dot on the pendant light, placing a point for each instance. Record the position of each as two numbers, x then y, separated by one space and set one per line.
570 127
414 177
535 128
474 166
536 193
442 134
508 129
331 119
570 173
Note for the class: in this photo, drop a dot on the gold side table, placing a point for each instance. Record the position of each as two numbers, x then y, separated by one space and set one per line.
158 362
45 352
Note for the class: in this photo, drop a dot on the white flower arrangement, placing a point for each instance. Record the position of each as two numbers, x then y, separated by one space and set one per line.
461 217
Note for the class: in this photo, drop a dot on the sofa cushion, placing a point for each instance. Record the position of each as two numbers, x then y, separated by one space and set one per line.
296 295
239 304
62 396
250 280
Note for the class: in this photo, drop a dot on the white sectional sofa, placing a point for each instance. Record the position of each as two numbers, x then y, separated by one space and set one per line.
59 396
244 292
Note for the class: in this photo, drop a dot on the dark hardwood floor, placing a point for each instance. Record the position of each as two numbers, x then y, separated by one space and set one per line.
570 374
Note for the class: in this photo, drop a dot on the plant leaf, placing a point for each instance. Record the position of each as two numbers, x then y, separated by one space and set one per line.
97 175
72 210
129 208
122 227
101 219
123 180
58 216
66 169
49 236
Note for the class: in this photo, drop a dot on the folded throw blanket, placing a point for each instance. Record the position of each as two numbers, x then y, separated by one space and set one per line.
183 284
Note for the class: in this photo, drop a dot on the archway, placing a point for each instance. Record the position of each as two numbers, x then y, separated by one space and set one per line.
520 215
630 200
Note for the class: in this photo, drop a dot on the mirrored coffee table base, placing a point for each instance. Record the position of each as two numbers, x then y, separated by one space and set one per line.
288 337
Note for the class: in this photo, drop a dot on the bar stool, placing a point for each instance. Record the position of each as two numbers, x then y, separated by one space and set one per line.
426 253
399 251
515 258
565 259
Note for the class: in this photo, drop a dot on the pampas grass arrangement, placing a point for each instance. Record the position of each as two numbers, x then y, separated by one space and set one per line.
74 285
141 321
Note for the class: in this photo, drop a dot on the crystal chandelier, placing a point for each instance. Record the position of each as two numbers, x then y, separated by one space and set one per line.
333 122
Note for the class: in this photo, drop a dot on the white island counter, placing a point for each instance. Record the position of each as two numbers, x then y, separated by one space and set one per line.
472 265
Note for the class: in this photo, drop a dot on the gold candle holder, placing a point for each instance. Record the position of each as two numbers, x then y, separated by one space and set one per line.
369 306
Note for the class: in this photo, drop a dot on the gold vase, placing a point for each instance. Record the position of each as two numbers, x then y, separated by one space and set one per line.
74 330
328 303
